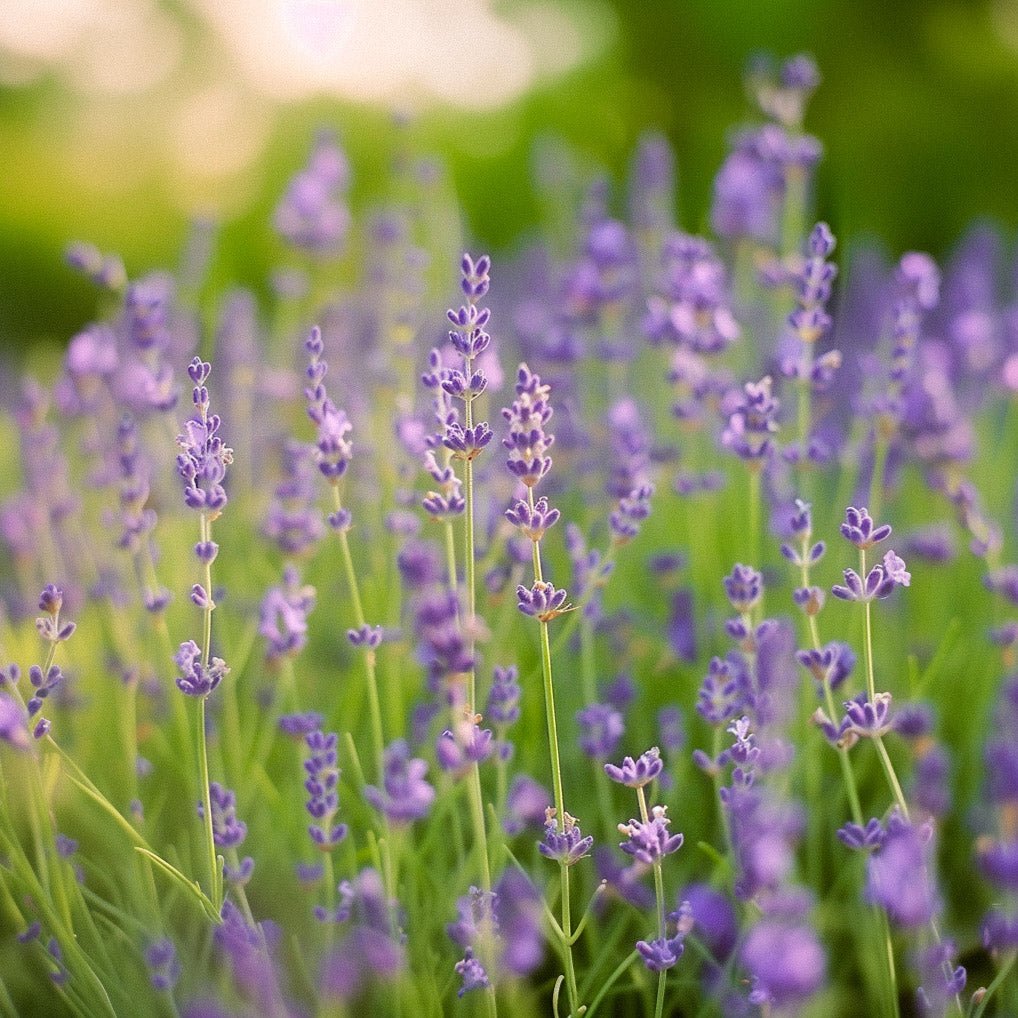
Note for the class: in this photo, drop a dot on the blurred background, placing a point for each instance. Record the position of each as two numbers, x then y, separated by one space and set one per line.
122 121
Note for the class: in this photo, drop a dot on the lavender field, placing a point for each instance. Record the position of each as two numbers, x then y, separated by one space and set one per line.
623 624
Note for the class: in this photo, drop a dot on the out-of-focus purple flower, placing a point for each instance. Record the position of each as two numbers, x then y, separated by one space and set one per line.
671 728
13 728
752 422
1000 931
785 962
714 918
526 804
300 725
722 694
162 963
830 665
472 972
227 830
311 214
899 874
861 838
517 910
468 744
283 618
504 697
624 522
322 780
743 588
639 772
333 449
405 795
292 521
601 726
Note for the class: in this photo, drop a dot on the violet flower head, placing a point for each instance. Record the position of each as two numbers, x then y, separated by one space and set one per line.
752 423
662 953
49 626
503 707
785 961
830 665
203 458
333 449
517 910
405 795
472 972
311 214
601 727
650 841
722 694
162 964
283 616
468 744
527 440
13 728
565 844
859 528
533 523
543 601
625 521
813 287
743 588
197 678
880 581
899 874
526 804
321 784
637 773
227 830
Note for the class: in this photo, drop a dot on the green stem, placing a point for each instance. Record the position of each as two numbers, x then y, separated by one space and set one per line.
659 894
215 876
998 981
374 705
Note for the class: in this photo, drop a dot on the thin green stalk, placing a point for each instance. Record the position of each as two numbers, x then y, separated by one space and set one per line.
374 704
214 870
998 981
659 894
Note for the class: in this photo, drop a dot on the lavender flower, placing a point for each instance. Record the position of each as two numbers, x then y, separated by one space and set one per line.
527 440
321 782
752 422
880 581
785 961
203 458
311 215
637 773
13 729
899 875
197 678
543 601
662 953
283 618
162 963
534 523
601 728
860 530
566 845
625 521
650 841
332 446
405 795
227 830
472 972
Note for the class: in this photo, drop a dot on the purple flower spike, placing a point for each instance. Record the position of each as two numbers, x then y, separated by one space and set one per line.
543 601
162 963
13 729
743 588
625 521
527 441
227 830
880 581
472 972
863 838
405 795
601 727
860 529
639 772
868 720
566 845
753 422
196 678
651 841
321 783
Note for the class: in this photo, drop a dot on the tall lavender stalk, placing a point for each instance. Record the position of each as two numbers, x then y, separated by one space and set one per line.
528 443
333 452
202 464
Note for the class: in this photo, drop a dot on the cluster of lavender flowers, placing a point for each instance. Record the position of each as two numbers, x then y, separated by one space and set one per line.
437 654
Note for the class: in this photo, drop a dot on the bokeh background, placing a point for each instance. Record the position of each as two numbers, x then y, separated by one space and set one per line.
122 121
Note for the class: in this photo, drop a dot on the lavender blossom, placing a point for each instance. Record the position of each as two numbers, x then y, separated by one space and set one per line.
405 795
227 830
543 601
332 446
321 782
860 530
650 841
527 440
283 616
565 845
203 458
637 773
752 422
601 728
